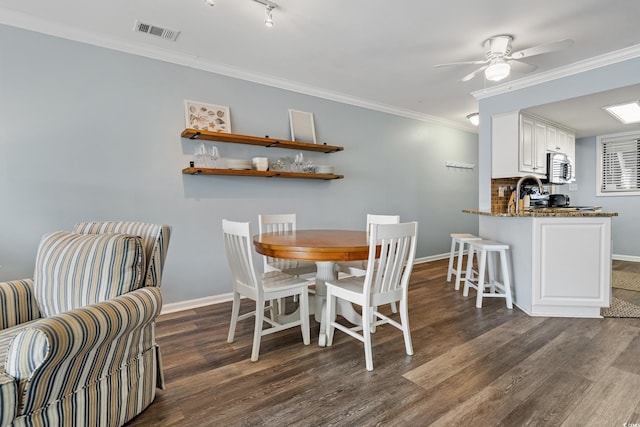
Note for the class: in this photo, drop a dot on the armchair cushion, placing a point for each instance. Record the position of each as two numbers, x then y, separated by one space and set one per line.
74 270
155 239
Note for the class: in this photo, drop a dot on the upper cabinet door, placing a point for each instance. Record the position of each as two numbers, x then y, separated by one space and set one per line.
533 146
540 149
527 145
552 140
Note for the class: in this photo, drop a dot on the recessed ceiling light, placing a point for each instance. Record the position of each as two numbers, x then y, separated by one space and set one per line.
629 112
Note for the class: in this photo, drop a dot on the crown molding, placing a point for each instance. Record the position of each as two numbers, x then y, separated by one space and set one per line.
33 23
289 85
609 58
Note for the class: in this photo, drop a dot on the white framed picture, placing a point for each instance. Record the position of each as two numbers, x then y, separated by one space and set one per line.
201 116
302 127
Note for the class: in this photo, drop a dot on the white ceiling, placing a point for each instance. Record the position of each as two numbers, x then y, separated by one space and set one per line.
378 54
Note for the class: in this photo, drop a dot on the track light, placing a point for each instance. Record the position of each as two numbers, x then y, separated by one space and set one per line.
269 6
268 18
474 118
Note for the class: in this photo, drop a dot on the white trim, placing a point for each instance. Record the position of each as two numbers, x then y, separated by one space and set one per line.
431 258
631 258
32 23
195 303
614 57
217 299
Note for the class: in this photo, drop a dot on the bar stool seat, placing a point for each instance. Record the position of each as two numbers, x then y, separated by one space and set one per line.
493 288
459 239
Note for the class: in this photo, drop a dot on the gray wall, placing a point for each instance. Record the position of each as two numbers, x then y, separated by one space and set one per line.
89 133
626 234
625 231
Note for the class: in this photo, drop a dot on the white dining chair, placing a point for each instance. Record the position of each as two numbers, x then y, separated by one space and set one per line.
280 223
267 287
384 282
358 268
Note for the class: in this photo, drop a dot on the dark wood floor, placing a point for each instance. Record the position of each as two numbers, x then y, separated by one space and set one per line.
471 367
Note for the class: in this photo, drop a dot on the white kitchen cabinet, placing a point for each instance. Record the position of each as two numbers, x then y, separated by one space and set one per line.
518 145
570 145
572 263
561 265
560 140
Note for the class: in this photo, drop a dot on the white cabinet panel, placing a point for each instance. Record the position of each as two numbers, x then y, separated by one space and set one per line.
518 146
520 142
561 266
573 262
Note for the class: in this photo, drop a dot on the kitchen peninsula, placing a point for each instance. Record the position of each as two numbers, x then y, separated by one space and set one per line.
560 258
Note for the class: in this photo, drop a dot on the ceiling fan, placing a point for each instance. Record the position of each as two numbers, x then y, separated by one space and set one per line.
499 57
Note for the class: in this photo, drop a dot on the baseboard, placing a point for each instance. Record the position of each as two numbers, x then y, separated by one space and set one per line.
431 258
217 299
626 258
195 303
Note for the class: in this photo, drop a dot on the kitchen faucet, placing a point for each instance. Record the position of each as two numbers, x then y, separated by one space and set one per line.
520 181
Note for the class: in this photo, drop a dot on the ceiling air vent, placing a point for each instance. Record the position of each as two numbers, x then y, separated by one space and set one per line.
164 33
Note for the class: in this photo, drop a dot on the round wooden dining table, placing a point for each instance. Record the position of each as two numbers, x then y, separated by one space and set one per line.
326 248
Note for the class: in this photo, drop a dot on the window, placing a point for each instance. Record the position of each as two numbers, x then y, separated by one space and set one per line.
618 164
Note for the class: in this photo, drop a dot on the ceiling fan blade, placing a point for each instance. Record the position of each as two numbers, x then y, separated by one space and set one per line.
522 67
543 48
473 74
461 63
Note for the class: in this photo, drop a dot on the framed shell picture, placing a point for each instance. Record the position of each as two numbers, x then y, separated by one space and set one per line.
201 116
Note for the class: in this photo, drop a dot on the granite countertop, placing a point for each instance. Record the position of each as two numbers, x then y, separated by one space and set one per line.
540 212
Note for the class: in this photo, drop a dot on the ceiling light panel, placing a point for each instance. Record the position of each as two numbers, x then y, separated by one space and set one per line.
627 113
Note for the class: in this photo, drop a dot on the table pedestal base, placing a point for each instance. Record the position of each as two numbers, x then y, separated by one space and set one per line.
328 272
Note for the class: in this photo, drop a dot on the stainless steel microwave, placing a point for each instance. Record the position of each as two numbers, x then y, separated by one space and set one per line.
560 168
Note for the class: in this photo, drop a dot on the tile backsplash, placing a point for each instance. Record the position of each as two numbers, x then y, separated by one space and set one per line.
501 204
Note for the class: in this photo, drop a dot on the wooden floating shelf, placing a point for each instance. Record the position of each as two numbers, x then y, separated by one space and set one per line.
266 174
256 140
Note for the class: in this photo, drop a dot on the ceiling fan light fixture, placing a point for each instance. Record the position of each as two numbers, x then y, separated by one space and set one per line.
474 118
210 2
497 70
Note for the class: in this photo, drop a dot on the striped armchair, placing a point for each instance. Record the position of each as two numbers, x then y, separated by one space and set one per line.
77 342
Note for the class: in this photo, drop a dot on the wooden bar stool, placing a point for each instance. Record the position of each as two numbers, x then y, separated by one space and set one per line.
495 289
459 239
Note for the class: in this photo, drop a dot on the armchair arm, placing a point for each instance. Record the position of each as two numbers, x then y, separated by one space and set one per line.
62 353
17 303
8 400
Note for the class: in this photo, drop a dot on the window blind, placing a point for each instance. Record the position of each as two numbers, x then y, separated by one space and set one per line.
620 165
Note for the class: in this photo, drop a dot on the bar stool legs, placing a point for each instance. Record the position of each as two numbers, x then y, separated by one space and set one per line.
486 252
459 239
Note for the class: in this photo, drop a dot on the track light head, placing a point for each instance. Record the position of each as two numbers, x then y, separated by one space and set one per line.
268 17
